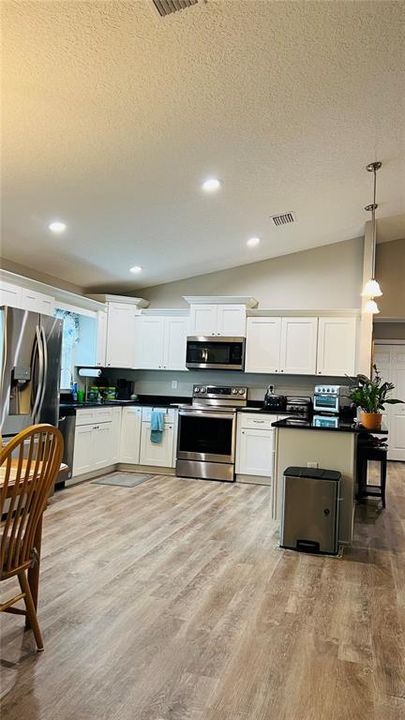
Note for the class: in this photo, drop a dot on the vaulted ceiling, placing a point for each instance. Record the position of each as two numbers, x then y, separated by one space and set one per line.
113 115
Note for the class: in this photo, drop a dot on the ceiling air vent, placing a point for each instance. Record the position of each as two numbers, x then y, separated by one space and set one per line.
166 7
283 219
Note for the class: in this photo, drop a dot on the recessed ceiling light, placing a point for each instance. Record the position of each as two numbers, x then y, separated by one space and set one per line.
57 226
135 269
211 184
253 241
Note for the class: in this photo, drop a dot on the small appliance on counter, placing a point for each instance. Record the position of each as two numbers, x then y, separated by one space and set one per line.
299 406
272 401
125 389
331 399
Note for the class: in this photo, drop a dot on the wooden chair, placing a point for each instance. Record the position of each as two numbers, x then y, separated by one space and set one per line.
29 464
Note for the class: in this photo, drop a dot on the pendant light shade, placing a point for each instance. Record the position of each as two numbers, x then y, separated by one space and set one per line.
372 289
371 307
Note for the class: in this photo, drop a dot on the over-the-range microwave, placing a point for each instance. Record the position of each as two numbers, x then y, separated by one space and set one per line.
219 353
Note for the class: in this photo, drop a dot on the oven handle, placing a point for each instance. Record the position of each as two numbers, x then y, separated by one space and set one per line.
203 413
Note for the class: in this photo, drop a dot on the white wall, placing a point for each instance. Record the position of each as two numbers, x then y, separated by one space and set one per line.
326 277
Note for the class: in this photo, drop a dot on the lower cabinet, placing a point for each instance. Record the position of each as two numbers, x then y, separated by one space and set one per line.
130 435
97 437
255 448
83 452
158 454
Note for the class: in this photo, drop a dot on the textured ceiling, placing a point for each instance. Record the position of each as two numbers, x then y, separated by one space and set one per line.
113 115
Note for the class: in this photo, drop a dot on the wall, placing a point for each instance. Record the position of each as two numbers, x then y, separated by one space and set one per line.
40 277
155 382
390 272
326 277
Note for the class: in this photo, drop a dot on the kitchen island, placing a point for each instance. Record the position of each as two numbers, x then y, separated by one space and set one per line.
325 442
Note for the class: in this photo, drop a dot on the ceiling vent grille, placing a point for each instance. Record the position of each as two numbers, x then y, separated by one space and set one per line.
166 7
283 219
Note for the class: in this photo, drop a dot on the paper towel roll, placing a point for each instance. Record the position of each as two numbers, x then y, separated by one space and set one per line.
89 372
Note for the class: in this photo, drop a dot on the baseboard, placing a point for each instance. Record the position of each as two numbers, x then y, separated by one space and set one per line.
152 469
253 480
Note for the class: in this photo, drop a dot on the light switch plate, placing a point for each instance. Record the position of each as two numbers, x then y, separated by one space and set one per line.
174 384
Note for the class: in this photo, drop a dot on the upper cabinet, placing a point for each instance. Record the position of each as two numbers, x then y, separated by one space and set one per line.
10 294
263 344
161 342
121 329
336 346
227 320
20 297
298 345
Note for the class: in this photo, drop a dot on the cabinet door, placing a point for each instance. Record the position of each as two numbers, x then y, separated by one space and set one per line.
102 445
120 336
130 435
116 434
149 342
298 345
157 454
255 452
263 345
336 346
83 450
37 302
10 294
175 343
231 320
204 320
101 338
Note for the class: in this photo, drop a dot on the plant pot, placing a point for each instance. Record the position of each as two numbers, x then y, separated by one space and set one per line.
370 421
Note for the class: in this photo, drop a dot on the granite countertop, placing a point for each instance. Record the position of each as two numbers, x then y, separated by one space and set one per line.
142 401
321 424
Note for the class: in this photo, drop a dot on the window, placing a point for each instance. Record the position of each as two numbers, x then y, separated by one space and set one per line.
70 338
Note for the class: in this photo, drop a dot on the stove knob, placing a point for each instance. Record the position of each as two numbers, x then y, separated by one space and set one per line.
203 389
241 391
234 391
197 389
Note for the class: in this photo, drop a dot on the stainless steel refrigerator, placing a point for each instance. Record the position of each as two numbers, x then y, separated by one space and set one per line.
31 346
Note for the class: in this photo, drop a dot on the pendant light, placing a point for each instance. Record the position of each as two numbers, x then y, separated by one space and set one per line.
372 288
371 307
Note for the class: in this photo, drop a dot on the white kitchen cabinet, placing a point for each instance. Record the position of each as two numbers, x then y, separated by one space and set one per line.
101 338
336 346
102 445
37 302
298 345
121 329
161 342
157 454
116 434
10 294
263 344
83 450
226 320
255 447
130 435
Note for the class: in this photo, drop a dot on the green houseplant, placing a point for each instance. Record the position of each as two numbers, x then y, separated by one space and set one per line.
371 396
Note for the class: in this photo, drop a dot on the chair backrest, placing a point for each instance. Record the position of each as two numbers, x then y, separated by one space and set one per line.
29 464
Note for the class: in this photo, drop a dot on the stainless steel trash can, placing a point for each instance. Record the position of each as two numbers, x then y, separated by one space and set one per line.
310 512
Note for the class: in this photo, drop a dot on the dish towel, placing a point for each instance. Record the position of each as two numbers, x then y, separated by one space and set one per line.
157 425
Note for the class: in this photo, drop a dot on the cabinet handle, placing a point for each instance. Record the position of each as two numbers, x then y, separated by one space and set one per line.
243 432
259 422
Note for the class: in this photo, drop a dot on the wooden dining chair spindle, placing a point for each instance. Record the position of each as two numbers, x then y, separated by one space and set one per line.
29 464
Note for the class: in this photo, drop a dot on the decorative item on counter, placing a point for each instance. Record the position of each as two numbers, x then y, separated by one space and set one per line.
73 391
370 395
110 393
93 394
80 395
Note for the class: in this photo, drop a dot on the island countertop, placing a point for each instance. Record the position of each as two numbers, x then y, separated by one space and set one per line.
328 423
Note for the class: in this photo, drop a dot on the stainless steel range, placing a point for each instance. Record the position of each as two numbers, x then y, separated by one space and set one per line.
207 432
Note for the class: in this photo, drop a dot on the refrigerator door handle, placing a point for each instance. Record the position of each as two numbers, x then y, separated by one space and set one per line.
39 393
45 369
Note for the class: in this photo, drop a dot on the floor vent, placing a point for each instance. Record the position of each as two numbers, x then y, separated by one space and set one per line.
283 219
166 7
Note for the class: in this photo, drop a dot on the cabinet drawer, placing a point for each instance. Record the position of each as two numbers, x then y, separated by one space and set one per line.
170 413
88 416
258 421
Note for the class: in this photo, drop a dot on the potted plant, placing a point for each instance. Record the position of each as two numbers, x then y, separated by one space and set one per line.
370 395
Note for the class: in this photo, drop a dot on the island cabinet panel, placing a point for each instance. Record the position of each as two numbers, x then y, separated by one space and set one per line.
336 346
263 345
298 345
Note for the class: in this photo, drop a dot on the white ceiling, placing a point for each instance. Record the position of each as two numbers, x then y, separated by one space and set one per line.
113 115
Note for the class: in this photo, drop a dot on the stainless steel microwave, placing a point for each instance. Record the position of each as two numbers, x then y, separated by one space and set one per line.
219 353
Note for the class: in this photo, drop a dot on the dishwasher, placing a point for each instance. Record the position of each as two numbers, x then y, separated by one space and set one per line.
67 426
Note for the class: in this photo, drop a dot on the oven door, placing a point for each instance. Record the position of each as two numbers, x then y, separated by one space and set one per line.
223 353
326 403
206 435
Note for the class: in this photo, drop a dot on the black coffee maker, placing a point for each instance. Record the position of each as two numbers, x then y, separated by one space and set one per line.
274 402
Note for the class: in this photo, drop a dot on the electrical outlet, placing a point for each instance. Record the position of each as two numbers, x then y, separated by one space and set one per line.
174 384
312 465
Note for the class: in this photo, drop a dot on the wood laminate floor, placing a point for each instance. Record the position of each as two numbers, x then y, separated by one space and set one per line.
172 601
